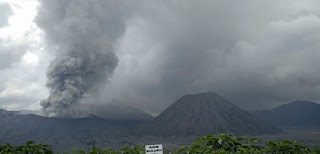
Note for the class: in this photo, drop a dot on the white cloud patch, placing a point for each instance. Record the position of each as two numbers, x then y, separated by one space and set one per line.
30 58
5 13
23 61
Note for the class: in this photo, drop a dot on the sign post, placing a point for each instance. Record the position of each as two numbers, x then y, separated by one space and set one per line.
154 149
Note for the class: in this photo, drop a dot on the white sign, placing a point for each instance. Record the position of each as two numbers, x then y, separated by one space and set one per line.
154 149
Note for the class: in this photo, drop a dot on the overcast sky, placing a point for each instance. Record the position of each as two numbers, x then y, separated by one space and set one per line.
258 54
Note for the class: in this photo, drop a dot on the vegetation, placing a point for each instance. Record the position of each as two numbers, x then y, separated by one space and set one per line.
29 148
125 150
223 144
219 144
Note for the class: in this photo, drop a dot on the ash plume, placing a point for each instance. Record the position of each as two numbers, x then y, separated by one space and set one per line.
259 55
81 36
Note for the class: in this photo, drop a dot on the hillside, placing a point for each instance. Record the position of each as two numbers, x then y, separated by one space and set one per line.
4 113
113 110
22 112
295 114
191 115
205 113
118 110
63 133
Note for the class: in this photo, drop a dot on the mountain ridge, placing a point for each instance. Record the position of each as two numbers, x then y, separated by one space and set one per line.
299 113
205 113
191 115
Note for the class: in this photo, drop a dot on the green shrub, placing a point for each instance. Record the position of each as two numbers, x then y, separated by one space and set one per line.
217 144
226 144
140 149
29 148
95 151
125 150
223 143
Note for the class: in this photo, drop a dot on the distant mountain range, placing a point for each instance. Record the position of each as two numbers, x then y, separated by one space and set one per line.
118 110
191 115
63 134
295 114
113 110
5 113
22 112
206 113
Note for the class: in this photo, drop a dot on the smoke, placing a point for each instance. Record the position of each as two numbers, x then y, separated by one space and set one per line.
257 54
81 36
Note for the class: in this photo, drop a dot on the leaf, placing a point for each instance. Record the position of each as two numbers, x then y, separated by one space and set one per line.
29 143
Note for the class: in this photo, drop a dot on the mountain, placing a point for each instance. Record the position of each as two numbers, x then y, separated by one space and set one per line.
22 112
202 114
4 113
117 110
62 133
114 110
191 115
295 114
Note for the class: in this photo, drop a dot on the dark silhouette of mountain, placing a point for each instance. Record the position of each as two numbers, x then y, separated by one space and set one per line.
295 114
191 115
117 110
202 114
62 133
21 112
115 120
5 113
114 110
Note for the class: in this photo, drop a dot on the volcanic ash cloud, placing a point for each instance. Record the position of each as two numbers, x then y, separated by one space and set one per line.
81 36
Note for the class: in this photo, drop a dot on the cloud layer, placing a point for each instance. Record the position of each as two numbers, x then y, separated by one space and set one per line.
258 54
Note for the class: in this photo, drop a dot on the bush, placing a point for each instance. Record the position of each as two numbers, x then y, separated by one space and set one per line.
29 148
218 144
223 144
95 151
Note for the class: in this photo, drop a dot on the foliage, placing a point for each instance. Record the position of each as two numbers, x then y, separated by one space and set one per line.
286 147
125 150
223 144
140 149
29 148
217 144
95 151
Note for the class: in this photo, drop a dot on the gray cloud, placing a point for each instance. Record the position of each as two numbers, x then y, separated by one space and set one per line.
11 53
5 13
257 54
16 101
22 61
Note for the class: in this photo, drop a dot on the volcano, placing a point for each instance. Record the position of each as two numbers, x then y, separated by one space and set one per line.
206 113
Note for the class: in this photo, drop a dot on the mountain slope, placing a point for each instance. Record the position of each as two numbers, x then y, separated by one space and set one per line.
117 110
62 133
295 114
206 113
5 113
22 112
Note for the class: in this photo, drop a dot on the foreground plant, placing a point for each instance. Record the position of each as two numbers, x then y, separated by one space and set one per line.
226 144
216 144
29 148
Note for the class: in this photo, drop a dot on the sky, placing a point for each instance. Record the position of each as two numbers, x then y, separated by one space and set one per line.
58 55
